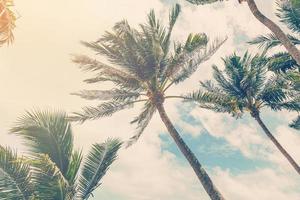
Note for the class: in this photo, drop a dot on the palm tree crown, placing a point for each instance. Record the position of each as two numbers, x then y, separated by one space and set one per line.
143 67
245 86
53 169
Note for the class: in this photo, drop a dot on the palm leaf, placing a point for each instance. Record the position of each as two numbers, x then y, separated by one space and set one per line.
281 62
195 56
173 16
289 14
48 178
7 22
142 121
106 72
203 2
270 41
296 123
74 166
47 132
105 109
95 166
15 177
115 94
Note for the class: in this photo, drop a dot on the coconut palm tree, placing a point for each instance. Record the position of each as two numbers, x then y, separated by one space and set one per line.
277 32
7 22
244 86
282 63
52 168
143 68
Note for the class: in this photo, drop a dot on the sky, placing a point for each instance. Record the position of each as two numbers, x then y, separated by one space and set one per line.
36 72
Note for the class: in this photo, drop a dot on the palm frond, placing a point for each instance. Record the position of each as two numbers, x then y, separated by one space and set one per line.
106 73
215 101
74 166
15 177
270 41
49 181
194 58
103 95
289 14
290 104
47 132
96 165
227 86
7 22
272 93
281 62
127 48
292 79
203 2
105 109
173 16
142 121
296 123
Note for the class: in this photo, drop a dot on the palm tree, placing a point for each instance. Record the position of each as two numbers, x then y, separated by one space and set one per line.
282 63
7 22
243 86
143 69
53 169
274 28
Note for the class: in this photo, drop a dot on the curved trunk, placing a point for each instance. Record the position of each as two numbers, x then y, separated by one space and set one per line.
208 185
277 144
290 47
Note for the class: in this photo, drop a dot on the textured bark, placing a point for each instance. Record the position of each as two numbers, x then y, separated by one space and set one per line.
290 47
277 144
208 185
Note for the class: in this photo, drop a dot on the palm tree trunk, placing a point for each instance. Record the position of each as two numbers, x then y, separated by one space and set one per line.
208 185
290 47
277 144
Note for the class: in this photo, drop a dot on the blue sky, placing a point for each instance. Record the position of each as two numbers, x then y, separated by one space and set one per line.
213 152
36 71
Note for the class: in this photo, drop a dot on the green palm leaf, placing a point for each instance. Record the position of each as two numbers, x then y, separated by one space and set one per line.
282 62
114 94
296 123
289 14
202 2
15 177
142 121
103 110
47 132
49 181
270 41
74 166
95 166
193 54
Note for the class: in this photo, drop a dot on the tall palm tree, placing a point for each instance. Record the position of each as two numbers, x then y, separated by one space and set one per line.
53 169
282 63
274 28
142 69
244 86
7 22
